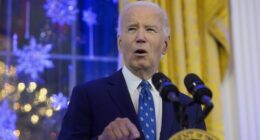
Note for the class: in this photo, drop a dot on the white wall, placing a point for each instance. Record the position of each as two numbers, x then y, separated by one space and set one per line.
241 88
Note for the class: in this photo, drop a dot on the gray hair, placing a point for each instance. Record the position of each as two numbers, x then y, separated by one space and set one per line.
166 28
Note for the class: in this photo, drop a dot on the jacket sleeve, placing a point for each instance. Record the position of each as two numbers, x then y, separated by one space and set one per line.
76 124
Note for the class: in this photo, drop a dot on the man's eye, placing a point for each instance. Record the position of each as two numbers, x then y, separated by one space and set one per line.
131 29
151 30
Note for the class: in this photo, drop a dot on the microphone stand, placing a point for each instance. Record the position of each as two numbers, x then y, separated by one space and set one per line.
206 110
182 117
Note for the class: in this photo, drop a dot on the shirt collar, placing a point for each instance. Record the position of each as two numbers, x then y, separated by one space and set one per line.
133 81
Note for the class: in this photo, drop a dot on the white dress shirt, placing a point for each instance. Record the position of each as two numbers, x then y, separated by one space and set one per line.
132 82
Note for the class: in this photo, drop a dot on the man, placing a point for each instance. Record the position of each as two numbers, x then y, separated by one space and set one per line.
109 108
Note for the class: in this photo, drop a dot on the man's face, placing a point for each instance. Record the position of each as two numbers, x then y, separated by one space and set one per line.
142 41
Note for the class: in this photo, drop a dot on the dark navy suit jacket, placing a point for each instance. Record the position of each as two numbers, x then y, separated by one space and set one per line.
95 104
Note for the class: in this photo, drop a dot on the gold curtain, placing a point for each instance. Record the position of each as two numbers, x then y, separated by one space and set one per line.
199 44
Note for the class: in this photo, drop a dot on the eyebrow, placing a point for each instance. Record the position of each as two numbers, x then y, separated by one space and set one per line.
146 26
132 25
151 26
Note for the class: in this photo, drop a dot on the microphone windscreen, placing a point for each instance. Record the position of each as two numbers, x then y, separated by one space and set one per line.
190 80
196 87
166 89
159 78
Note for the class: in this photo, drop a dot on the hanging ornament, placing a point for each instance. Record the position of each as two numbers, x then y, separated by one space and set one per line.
59 101
7 122
33 58
89 17
61 11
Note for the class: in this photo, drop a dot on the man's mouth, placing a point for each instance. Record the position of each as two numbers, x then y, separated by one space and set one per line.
140 51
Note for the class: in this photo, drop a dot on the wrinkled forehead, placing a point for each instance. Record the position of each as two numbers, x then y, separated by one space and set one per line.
142 13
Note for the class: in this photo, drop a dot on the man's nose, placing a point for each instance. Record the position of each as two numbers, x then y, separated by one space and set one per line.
140 36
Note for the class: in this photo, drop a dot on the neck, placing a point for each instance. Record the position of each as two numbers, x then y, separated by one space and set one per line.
144 74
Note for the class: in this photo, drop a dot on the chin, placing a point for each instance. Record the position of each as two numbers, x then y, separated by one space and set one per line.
142 66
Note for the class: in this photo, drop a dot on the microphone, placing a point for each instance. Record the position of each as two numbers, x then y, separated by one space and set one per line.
167 90
201 93
170 93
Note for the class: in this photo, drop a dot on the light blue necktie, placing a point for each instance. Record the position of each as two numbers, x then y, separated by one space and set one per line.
146 111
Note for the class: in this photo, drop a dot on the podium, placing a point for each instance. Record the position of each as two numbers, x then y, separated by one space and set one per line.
193 134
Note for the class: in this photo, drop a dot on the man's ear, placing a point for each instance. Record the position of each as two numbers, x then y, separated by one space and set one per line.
166 45
119 42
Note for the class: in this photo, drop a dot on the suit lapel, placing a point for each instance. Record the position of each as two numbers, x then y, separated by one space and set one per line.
120 95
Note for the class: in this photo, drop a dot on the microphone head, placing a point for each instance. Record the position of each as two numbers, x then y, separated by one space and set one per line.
164 86
159 78
196 87
191 80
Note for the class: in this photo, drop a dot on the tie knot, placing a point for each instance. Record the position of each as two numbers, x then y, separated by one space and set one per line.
145 84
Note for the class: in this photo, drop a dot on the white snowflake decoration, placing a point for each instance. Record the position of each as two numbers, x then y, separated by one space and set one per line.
7 122
59 101
33 59
61 11
89 17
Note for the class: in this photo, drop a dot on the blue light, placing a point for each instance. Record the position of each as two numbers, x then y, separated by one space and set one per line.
89 17
33 59
59 101
7 122
61 11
